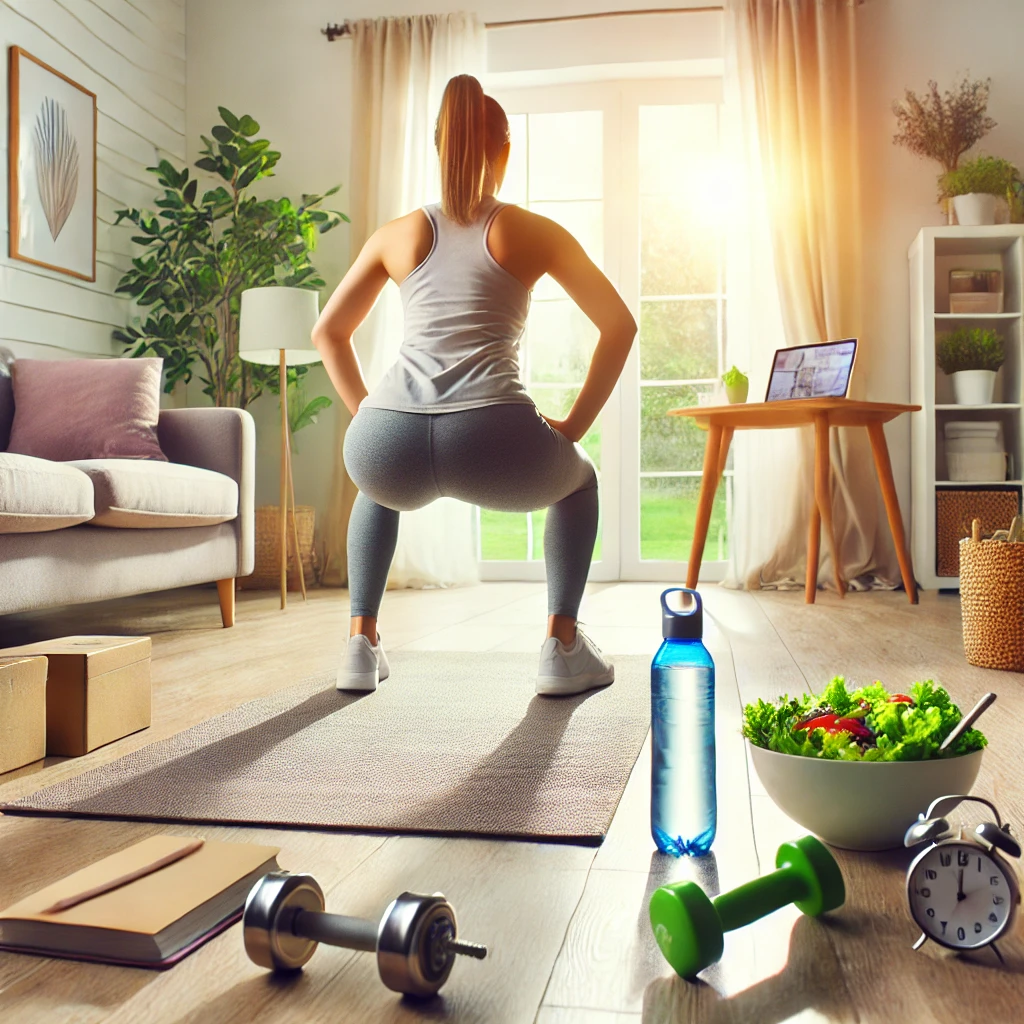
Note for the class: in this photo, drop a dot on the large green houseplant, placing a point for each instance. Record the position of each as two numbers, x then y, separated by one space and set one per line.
201 253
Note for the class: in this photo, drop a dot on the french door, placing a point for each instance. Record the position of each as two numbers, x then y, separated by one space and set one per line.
633 170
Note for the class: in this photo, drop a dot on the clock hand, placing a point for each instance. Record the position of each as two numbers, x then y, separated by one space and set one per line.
960 887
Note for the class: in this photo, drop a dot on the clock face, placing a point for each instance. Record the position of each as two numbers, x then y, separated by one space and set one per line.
959 895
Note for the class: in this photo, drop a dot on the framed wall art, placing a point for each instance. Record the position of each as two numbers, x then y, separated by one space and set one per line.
51 168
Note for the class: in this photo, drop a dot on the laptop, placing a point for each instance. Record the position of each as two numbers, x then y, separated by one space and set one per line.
812 371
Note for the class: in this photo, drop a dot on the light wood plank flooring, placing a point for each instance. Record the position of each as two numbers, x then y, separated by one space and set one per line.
567 926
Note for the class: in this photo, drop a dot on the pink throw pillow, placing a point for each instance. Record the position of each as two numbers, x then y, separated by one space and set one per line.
66 409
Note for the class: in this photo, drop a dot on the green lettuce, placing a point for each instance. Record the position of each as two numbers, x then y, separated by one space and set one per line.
902 732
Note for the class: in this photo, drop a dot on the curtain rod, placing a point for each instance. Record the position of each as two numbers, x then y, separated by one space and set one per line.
344 30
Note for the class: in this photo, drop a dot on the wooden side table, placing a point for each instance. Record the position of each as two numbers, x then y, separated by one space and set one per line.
823 414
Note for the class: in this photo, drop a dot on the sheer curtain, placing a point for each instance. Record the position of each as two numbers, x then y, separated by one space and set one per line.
399 71
795 278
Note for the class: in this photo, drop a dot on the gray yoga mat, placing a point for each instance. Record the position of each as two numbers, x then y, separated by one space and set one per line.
450 744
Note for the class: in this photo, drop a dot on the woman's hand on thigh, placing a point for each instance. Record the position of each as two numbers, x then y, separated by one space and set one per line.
564 427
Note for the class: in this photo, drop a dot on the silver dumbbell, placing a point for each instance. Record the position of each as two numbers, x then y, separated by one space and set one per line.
416 941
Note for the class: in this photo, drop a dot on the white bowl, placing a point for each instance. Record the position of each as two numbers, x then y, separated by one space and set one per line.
860 805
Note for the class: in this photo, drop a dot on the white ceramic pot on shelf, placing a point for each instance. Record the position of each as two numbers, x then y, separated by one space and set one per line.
974 387
975 208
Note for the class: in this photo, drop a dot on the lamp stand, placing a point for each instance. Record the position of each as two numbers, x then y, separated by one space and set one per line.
285 465
287 490
295 520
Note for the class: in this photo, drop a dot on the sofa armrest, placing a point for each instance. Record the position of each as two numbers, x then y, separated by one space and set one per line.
222 440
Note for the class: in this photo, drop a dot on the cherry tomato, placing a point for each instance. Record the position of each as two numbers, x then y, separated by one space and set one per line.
854 726
834 724
901 698
819 722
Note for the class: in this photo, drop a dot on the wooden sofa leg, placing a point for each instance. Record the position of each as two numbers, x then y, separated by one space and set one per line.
226 593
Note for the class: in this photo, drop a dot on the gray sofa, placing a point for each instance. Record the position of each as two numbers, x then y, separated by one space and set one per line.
174 524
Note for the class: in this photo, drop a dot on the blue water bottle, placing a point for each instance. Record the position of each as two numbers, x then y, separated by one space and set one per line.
683 805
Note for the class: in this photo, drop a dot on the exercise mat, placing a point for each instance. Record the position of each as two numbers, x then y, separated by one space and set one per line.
451 743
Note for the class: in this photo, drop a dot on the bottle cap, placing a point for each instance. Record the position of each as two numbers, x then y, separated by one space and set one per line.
682 614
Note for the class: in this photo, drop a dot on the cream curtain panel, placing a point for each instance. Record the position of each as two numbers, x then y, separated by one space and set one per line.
795 278
399 70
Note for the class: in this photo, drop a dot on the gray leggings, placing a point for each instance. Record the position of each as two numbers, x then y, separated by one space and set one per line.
502 457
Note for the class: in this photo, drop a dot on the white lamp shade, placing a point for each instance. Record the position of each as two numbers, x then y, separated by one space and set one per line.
278 318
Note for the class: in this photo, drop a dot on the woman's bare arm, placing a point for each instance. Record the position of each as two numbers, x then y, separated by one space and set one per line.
346 309
570 266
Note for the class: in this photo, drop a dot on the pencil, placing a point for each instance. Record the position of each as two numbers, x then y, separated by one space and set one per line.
116 883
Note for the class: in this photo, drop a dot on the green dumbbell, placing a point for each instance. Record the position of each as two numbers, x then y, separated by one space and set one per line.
690 929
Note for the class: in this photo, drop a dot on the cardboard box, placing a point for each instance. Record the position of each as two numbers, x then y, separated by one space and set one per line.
98 689
22 711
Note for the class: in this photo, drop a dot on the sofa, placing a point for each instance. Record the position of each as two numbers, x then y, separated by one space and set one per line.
72 532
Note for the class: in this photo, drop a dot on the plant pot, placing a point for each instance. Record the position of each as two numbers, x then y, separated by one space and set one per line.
974 387
975 208
736 394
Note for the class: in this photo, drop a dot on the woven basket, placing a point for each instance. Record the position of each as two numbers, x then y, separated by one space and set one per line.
992 603
957 507
267 573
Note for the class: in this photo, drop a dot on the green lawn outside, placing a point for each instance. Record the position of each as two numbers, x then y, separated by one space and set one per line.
666 528
668 511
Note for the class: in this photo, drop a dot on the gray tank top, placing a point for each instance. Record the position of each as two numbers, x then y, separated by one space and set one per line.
464 316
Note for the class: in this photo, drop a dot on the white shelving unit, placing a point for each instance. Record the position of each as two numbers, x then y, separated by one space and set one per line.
932 255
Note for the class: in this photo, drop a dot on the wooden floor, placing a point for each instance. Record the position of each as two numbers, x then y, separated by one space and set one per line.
567 926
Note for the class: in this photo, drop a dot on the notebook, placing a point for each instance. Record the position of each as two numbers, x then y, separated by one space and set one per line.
153 921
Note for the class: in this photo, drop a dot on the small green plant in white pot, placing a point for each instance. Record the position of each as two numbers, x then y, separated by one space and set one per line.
736 386
971 356
976 186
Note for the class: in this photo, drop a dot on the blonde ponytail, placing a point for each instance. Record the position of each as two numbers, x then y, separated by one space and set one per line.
461 139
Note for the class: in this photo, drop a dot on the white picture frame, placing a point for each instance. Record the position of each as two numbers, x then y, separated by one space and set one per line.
51 168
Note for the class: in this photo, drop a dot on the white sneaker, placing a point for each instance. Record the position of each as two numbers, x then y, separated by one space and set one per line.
362 665
568 670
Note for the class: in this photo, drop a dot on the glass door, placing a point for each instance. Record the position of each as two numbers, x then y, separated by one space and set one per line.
677 288
559 168
632 169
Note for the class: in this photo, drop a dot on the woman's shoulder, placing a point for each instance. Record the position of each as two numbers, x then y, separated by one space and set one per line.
403 243
412 229
409 223
519 224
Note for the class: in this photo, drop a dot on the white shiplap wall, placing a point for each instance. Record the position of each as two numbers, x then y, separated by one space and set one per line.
131 54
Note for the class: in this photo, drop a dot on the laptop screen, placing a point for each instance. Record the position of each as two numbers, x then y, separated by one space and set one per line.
812 371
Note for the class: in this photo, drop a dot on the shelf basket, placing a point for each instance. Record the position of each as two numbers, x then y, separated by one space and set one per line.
992 603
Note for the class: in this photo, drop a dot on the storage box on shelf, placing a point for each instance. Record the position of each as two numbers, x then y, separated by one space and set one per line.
934 254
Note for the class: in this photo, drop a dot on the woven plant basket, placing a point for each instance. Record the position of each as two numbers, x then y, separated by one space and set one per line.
992 603
267 573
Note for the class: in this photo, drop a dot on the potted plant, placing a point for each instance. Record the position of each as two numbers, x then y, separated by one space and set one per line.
200 254
943 126
971 356
976 185
1016 201
736 386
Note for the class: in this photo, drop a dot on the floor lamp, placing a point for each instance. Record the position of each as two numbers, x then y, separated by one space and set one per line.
275 328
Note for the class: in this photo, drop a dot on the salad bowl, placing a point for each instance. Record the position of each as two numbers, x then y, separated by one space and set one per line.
860 805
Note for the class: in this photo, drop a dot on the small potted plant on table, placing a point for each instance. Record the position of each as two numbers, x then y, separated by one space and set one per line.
971 356
736 386
976 185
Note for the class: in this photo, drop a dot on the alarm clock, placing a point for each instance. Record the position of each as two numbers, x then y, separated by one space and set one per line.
962 891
